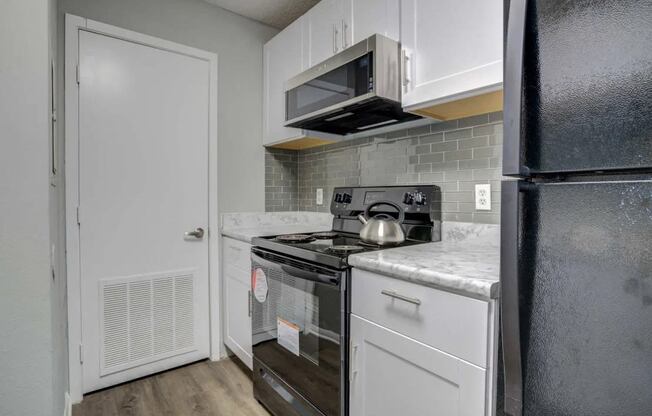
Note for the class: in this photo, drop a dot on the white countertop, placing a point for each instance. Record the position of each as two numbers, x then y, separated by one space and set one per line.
466 261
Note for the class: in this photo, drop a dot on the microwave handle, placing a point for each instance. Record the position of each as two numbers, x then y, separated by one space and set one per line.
297 272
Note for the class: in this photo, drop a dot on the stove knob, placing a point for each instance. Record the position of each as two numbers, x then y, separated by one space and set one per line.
408 198
346 198
420 198
338 198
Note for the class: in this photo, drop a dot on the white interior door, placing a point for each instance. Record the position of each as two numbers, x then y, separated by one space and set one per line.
143 182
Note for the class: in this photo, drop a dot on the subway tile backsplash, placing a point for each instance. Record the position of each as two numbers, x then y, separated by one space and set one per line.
454 155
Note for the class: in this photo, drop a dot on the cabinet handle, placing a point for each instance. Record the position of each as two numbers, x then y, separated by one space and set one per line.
398 296
405 58
344 28
334 38
249 303
354 356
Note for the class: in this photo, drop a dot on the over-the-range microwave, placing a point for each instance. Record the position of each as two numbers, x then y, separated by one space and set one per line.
356 90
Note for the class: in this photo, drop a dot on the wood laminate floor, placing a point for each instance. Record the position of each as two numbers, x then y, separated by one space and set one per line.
205 388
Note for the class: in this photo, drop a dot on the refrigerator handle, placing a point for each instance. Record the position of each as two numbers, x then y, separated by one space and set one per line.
509 254
513 87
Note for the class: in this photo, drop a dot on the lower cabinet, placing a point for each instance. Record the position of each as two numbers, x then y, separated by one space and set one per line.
236 274
391 374
418 351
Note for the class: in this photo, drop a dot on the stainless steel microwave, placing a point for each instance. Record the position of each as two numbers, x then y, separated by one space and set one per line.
356 90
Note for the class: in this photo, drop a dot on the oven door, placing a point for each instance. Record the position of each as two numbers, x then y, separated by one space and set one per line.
298 328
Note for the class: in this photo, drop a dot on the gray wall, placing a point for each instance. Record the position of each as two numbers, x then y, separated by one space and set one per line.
239 44
28 345
454 155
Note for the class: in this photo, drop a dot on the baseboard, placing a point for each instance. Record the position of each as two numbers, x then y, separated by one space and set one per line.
67 408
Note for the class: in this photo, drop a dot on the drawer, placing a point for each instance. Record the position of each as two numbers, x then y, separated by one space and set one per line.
236 254
452 323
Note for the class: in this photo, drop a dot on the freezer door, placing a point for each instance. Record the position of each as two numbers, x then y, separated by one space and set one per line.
576 272
578 86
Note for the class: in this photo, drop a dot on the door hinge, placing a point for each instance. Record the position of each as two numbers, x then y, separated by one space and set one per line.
78 221
77 73
81 354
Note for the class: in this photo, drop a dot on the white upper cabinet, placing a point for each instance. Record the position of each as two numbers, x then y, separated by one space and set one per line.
363 18
323 30
282 59
334 25
454 49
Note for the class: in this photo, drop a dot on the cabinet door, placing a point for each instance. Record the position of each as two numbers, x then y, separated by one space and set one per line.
282 59
363 18
391 374
454 49
323 30
238 317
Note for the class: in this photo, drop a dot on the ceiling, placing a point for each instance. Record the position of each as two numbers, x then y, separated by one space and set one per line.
275 13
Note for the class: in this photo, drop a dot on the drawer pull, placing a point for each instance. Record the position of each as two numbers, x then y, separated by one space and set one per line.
395 295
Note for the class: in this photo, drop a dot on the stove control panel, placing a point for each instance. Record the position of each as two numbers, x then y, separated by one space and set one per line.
415 198
342 198
421 204
412 199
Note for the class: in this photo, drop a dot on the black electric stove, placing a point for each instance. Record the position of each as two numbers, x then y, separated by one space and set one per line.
327 248
422 206
300 299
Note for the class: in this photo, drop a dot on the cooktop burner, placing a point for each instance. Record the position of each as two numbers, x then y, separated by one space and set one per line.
345 249
327 235
295 238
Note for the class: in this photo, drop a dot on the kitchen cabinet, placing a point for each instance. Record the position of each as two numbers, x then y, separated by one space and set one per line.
334 25
392 374
323 30
363 18
453 50
282 59
236 267
443 343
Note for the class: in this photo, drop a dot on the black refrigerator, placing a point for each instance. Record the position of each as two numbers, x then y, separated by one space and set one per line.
576 236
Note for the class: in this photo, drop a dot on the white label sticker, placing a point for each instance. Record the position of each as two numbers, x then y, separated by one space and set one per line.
288 335
259 284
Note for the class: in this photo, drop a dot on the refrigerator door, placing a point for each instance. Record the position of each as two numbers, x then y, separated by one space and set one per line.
577 298
578 86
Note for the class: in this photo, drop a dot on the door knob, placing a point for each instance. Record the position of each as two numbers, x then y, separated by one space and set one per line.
198 234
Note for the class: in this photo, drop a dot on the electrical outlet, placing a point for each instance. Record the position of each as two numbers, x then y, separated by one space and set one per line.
320 196
483 197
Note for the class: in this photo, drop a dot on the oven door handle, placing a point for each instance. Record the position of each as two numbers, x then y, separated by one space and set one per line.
297 272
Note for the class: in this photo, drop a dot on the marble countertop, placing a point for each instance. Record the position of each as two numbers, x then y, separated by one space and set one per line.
246 226
466 261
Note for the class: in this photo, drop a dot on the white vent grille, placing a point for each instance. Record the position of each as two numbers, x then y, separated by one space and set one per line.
145 319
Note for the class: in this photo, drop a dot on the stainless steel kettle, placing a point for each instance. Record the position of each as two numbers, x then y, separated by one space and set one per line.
382 229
